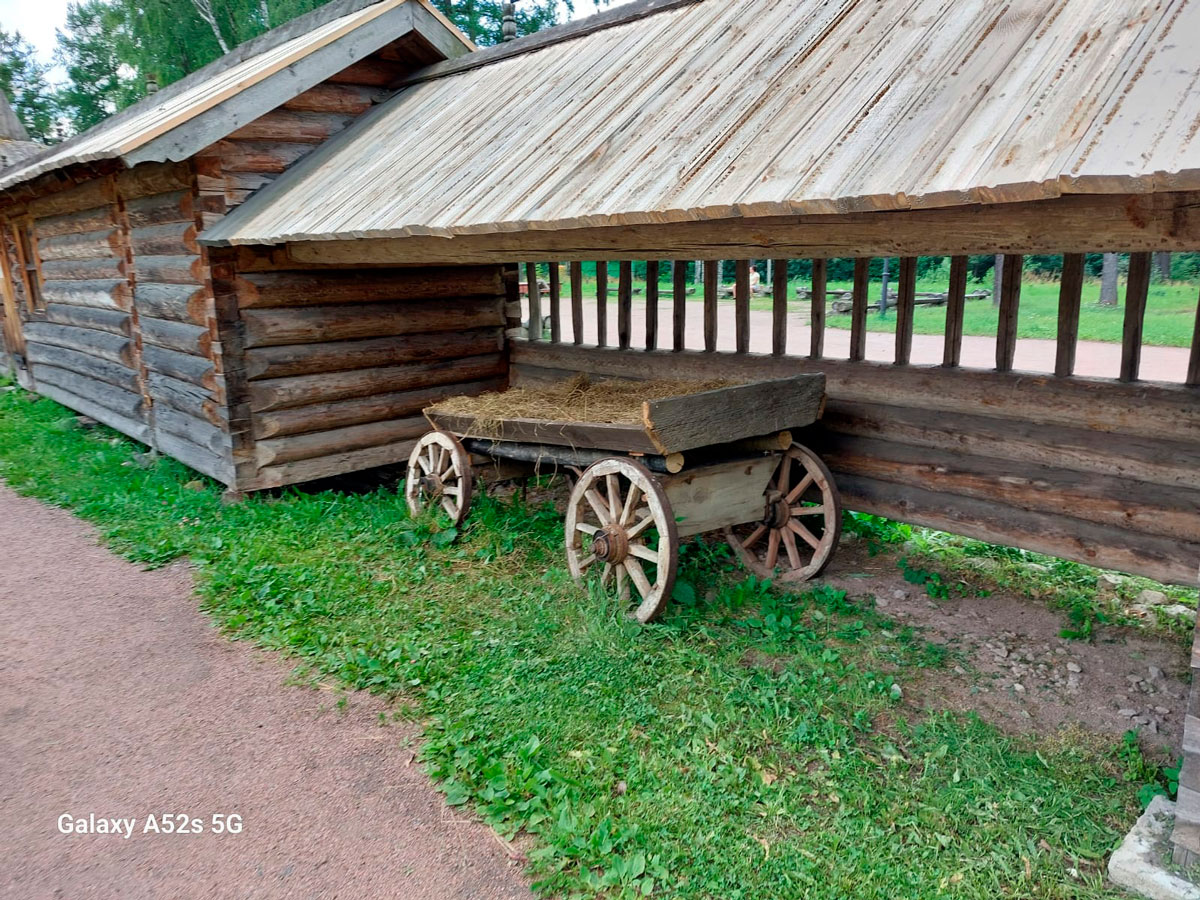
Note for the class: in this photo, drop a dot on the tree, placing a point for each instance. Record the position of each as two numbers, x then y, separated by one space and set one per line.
1108 280
92 48
23 80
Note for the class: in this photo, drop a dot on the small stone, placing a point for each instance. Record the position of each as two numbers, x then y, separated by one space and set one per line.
622 787
1152 727
194 485
897 692
1109 579
1127 713
1155 673
1151 598
1074 667
1162 710
1179 611
899 595
1019 688
959 670
881 603
1141 720
1001 652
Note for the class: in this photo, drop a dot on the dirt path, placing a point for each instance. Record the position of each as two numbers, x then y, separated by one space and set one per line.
118 698
1093 358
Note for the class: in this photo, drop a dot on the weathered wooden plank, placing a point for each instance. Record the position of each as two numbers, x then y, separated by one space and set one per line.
679 305
711 497
1070 295
136 429
820 282
196 457
275 451
108 293
779 302
555 303
1010 302
168 239
906 305
102 244
630 438
118 400
336 464
577 302
624 304
360 410
292 125
98 218
331 356
651 304
1136 293
858 312
272 157
347 99
88 195
956 303
301 390
113 321
1192 378
171 269
186 397
116 348
183 366
712 273
535 302
147 179
177 302
82 364
160 209
313 324
109 268
741 305
601 304
204 434
181 336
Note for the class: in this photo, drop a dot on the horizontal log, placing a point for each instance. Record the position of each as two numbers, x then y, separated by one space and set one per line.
160 209
371 71
260 156
167 239
302 390
102 244
336 464
102 293
360 410
1096 404
148 179
1069 224
1163 559
1121 503
85 220
181 336
338 440
114 321
290 125
83 364
112 267
313 324
186 397
335 356
88 195
121 402
196 457
182 269
204 434
116 348
348 99
138 430
177 302
619 437
183 366
311 288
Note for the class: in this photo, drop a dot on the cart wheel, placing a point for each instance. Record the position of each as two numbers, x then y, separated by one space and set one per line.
803 519
439 469
620 524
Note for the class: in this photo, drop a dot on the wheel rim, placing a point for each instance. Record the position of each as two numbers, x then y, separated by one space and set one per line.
801 523
620 530
439 470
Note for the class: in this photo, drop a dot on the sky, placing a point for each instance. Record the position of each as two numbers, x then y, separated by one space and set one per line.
37 19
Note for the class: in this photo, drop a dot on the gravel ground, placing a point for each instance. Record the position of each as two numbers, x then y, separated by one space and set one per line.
119 699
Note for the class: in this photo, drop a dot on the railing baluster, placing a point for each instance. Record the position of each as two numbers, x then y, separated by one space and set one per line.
1070 297
624 304
820 296
555 303
577 301
779 302
956 303
1193 371
1136 292
1010 305
906 305
652 304
679 304
601 304
741 303
535 302
711 270
858 312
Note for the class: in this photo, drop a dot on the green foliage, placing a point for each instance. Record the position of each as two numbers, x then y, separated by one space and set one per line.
23 81
92 48
933 583
753 743
875 530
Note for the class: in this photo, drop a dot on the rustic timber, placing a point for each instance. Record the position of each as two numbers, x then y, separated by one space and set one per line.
555 291
651 305
679 305
906 305
181 336
275 451
601 304
86 220
577 302
535 302
183 366
741 305
625 438
335 464
161 209
712 271
1136 293
858 313
82 269
1010 300
168 239
84 364
108 293
1193 370
86 245
955 307
711 497
112 321
116 348
624 304
171 269
779 302
177 302
120 401
135 428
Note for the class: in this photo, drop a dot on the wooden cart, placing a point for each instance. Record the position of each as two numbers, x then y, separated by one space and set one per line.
721 459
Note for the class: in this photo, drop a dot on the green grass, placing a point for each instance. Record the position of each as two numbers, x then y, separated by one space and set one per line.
752 744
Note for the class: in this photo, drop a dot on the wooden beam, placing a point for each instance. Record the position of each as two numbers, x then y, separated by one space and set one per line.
535 302
624 304
1068 224
741 300
858 313
711 274
1193 370
679 284
1070 295
1137 291
555 303
577 302
820 280
601 304
906 305
1010 302
779 302
956 302
652 304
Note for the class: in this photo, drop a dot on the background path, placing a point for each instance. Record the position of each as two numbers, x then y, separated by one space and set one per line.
118 697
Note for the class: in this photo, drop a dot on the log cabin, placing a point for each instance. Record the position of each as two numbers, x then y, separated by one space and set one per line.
283 331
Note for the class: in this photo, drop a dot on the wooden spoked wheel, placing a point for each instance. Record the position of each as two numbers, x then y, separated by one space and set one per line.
439 470
621 530
801 523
